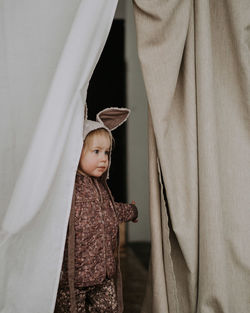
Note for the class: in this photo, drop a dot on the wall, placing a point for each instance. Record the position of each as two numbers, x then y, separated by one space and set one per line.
120 11
137 150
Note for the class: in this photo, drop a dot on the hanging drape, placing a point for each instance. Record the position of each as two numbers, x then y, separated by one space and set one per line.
195 61
48 52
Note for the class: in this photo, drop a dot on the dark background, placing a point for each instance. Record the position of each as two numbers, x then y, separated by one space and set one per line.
107 88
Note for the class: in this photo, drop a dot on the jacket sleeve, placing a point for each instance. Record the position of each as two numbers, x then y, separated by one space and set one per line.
126 212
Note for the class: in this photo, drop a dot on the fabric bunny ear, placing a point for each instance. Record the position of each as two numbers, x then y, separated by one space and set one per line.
113 117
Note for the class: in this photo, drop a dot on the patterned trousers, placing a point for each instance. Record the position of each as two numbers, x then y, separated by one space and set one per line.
95 299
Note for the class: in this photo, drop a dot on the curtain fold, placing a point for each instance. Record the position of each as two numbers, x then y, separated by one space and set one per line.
195 62
36 209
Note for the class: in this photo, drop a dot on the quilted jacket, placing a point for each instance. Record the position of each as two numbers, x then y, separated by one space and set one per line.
96 220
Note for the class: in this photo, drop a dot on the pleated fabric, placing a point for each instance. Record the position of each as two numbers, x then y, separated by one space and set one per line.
195 61
48 50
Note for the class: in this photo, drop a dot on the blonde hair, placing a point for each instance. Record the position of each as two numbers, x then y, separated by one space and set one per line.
97 132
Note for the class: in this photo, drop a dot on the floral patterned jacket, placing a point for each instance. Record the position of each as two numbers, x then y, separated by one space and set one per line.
96 220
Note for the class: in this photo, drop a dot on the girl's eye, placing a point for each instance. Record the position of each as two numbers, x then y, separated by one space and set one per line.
107 152
96 151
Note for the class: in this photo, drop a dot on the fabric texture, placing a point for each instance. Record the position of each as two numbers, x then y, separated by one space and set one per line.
96 223
195 62
100 298
109 119
96 219
48 53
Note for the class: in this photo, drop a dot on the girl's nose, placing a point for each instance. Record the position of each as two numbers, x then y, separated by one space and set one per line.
104 157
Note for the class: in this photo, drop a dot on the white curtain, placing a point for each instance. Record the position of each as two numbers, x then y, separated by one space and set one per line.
48 51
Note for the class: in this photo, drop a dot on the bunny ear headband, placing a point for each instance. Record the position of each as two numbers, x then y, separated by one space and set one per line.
113 117
109 119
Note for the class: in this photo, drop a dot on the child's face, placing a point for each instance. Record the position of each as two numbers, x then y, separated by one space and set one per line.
94 159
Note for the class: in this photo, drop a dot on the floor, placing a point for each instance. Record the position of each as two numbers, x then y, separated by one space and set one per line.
134 266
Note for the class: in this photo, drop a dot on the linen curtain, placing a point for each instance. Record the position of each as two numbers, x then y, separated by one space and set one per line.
48 51
195 61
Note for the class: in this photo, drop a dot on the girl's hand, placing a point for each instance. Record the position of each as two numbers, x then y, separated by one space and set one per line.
136 220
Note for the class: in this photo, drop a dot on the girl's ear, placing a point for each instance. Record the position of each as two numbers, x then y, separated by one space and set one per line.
113 117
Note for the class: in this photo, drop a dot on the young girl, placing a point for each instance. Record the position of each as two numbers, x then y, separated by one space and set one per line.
90 277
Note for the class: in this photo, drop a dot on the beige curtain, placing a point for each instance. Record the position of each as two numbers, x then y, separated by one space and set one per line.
195 62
